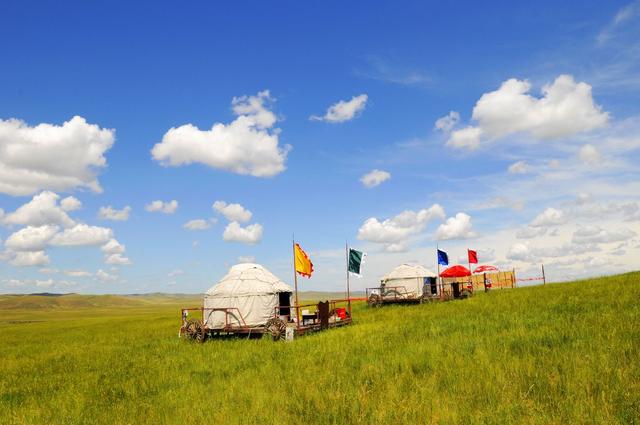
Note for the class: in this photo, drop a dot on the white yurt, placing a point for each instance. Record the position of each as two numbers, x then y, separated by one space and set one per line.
250 288
411 277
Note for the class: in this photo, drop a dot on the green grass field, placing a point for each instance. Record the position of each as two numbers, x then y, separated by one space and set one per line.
564 353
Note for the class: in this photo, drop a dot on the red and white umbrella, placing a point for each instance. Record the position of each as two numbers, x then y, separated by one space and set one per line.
485 268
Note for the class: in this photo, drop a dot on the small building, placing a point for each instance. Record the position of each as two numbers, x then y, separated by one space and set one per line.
410 280
249 295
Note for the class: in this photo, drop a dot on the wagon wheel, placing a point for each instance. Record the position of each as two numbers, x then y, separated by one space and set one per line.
465 294
374 300
392 293
277 328
195 330
426 298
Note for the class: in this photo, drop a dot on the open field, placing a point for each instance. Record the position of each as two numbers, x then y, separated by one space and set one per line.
564 353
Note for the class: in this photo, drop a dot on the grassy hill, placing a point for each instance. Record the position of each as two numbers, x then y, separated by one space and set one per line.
563 353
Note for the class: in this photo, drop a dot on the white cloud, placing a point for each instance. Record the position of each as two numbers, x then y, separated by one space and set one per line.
110 213
42 209
31 238
531 232
589 154
197 224
176 272
232 212
375 178
466 138
395 231
549 217
77 273
29 258
117 259
246 259
250 234
247 145
168 207
113 247
457 227
83 235
446 123
343 110
70 204
104 276
519 252
596 234
566 108
49 156
520 167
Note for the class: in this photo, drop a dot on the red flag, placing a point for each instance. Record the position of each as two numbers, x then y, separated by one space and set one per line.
473 256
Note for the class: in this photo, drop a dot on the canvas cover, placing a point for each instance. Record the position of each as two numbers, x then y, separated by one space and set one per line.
410 276
251 289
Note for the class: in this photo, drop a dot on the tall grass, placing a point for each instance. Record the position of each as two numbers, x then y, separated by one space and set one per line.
564 353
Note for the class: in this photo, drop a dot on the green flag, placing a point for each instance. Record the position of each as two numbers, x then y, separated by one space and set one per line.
355 261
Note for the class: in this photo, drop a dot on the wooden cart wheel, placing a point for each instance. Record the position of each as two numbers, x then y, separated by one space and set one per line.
465 294
277 328
195 330
374 300
426 298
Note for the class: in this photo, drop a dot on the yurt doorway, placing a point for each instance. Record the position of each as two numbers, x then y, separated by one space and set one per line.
284 301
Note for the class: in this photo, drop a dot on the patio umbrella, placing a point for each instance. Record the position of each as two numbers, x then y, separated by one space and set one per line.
485 268
456 271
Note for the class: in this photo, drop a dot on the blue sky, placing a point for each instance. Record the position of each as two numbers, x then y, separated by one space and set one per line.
536 162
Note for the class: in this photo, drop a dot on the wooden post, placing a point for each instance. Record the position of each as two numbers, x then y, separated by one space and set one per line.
295 280
544 278
439 278
513 278
346 246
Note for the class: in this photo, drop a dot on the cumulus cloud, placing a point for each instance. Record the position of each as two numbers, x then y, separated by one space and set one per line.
117 259
375 178
110 213
589 154
596 235
83 235
446 123
29 258
232 212
31 238
70 204
246 259
104 276
565 108
519 167
197 224
395 231
248 145
77 273
519 252
343 110
531 232
457 227
549 217
250 234
42 209
466 138
168 207
48 156
113 247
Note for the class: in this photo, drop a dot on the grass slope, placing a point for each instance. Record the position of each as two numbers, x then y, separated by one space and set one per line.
564 353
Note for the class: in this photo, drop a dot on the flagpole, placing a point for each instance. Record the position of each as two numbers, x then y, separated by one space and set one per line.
469 264
438 262
295 279
346 246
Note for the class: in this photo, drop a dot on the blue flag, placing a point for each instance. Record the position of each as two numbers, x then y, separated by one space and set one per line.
443 258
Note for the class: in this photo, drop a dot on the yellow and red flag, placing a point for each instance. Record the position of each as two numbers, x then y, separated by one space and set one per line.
304 266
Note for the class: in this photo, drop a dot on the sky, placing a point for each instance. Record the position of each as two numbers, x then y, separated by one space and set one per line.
150 146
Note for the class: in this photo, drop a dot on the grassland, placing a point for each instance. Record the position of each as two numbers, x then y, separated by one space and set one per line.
564 353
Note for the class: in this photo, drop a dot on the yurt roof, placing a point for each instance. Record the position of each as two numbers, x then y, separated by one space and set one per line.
408 271
248 279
